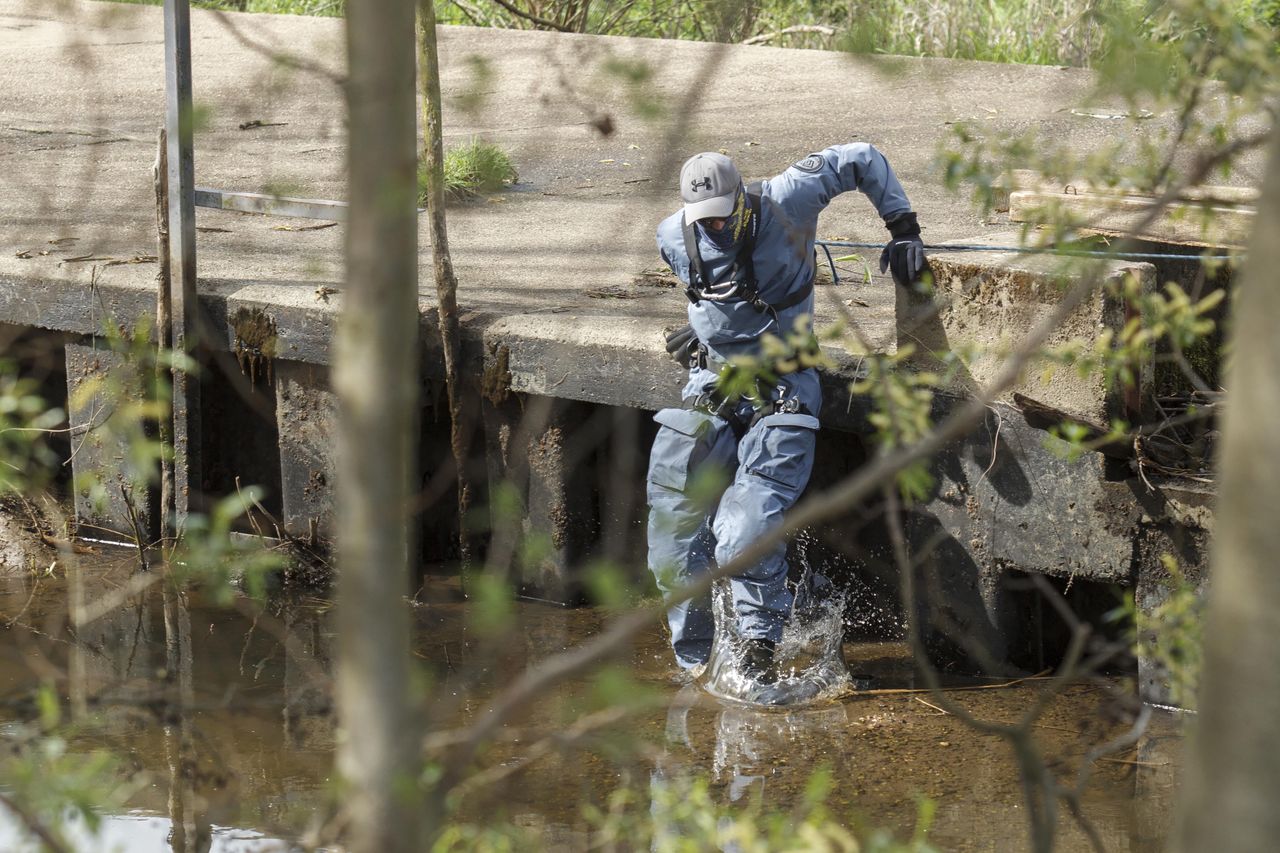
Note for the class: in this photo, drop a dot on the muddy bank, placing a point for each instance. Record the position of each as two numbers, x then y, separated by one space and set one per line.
26 546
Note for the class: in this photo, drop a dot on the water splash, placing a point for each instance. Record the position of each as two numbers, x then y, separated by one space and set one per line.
809 659
809 662
869 610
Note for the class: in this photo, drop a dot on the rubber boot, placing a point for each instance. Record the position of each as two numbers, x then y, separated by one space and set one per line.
757 661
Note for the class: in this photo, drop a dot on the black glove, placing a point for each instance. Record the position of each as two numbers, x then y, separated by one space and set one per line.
904 254
682 344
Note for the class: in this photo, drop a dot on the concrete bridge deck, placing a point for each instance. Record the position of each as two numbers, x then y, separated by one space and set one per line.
551 265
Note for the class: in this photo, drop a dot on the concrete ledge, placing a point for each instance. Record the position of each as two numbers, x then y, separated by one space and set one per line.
990 301
306 412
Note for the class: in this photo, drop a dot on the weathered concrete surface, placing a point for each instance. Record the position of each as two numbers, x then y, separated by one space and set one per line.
100 449
558 523
1010 497
22 550
1178 523
306 417
990 301
81 97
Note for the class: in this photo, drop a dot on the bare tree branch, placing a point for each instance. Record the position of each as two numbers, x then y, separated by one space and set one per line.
432 162
528 16
786 31
288 60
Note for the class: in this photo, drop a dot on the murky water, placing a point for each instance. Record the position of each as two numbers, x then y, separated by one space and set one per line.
233 735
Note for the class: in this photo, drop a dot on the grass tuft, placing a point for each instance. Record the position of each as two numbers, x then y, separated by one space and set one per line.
471 169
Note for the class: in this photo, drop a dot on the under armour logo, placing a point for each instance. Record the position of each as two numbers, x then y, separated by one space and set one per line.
701 183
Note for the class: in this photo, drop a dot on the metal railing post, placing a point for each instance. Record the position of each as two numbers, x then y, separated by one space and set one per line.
179 119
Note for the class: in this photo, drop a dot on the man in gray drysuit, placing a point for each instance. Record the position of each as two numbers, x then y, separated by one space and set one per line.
751 272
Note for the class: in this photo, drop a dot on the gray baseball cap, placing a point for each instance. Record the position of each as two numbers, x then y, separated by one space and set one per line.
708 186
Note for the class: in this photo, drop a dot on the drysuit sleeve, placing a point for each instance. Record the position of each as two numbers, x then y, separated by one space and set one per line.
807 187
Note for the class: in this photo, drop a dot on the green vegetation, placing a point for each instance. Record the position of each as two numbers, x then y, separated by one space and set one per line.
1171 634
685 815
1038 32
324 8
1033 31
470 169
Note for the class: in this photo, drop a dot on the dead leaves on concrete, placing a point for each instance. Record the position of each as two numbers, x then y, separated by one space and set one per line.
64 244
651 279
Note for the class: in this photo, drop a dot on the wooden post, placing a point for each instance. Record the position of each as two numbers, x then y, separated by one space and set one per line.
188 470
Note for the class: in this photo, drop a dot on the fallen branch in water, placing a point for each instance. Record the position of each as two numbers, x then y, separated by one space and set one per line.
1042 675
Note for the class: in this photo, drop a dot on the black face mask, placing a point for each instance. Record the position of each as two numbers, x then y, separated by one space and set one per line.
728 238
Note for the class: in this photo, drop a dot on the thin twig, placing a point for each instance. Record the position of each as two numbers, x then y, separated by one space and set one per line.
446 282
569 737
35 587
1134 763
941 711
1004 685
286 60
253 521
126 494
995 447
315 674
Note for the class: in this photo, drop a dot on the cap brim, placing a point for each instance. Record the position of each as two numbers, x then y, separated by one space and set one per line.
719 207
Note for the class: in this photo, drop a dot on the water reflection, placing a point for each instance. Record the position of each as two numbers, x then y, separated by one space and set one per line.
228 713
191 698
886 752
189 830
142 833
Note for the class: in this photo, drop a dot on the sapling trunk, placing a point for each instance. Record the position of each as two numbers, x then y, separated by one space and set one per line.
1233 777
376 379
446 282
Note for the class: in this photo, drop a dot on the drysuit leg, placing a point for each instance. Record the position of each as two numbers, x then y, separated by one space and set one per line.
775 459
692 457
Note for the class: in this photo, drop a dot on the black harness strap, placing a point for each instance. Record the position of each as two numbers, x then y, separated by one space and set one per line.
791 301
742 267
713 402
779 407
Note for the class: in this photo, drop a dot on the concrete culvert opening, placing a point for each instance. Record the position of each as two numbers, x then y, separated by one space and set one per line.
238 417
40 357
